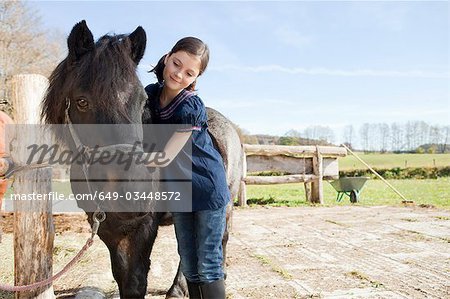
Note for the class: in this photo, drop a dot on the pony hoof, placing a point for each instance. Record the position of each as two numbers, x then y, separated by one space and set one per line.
175 293
90 293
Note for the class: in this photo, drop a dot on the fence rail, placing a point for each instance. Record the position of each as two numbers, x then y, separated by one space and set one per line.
303 164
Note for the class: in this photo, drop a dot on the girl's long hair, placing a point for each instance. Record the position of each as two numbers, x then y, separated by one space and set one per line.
191 45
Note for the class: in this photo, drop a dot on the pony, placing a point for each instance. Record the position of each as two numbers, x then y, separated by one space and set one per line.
97 83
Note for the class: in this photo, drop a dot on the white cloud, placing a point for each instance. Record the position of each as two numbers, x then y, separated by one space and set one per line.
291 37
332 72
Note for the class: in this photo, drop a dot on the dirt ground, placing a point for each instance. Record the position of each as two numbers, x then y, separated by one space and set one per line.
312 252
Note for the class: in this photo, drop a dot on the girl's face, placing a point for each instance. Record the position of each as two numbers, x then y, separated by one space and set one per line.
181 70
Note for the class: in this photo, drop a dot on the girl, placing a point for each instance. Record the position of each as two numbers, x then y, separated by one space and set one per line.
173 101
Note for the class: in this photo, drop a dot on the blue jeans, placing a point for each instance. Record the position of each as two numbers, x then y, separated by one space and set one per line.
199 235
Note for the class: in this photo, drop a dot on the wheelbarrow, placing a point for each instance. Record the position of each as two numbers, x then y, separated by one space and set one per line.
350 186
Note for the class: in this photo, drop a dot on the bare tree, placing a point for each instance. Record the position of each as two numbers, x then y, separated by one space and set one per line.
446 139
365 137
24 46
397 137
293 133
322 133
435 135
409 135
348 135
424 133
384 136
374 137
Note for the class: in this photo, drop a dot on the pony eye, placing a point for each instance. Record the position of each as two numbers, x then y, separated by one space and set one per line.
82 104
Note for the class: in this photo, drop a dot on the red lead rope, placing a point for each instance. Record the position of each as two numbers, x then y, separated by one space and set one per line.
48 281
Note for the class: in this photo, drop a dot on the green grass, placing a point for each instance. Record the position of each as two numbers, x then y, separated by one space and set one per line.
375 192
364 277
394 160
275 267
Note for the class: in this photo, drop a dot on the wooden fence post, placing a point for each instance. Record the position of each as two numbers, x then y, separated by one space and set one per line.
33 231
317 185
242 196
302 164
308 191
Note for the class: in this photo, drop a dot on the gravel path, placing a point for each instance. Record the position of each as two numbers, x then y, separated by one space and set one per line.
313 252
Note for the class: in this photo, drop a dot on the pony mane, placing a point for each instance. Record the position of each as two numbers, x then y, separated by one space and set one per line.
107 73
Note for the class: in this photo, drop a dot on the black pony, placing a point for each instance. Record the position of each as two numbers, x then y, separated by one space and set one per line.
97 84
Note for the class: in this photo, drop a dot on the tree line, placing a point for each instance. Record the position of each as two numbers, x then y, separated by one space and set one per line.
412 136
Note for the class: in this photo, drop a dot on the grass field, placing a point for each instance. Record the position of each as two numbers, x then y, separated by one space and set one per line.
375 192
394 160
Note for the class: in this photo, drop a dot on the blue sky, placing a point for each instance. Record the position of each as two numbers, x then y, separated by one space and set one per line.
277 66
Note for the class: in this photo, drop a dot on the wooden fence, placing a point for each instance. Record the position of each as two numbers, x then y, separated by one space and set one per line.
303 164
33 227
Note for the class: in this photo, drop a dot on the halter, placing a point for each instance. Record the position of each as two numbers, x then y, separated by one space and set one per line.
87 153
87 149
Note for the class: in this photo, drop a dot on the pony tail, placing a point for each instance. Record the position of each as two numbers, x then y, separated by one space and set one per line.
159 69
192 86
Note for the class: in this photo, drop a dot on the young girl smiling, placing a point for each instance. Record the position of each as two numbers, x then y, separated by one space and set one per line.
173 101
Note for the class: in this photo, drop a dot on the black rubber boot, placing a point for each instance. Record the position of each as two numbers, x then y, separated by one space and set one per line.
194 290
213 290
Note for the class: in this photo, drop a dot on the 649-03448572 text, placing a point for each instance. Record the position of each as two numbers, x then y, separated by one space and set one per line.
102 196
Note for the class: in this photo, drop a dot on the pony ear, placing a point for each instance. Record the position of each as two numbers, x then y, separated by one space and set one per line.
80 41
138 40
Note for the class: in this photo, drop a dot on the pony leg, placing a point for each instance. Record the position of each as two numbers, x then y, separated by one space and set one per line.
179 288
225 238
